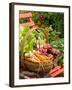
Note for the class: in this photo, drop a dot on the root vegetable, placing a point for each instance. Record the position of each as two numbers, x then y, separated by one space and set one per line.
49 46
60 71
32 59
41 57
55 51
55 69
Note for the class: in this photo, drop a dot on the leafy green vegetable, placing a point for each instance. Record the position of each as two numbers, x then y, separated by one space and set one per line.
59 44
29 39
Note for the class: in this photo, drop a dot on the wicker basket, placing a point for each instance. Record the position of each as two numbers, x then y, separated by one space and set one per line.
36 66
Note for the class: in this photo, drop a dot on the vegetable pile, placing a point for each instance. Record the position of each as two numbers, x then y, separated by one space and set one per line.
41 50
35 48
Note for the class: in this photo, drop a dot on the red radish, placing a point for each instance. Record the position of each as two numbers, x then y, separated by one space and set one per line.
49 46
60 71
44 50
55 51
54 69
45 53
50 56
40 49
45 46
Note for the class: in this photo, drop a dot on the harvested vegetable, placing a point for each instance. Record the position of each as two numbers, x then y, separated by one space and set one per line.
41 49
60 71
54 69
41 57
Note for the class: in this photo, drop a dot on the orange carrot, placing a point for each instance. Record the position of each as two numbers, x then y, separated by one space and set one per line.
60 71
45 56
54 69
32 59
36 58
41 57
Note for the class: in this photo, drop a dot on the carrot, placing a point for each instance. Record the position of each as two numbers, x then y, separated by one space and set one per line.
36 58
32 59
45 56
41 57
54 69
60 71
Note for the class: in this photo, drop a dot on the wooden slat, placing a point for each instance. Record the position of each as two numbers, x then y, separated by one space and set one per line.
25 15
35 27
27 24
30 19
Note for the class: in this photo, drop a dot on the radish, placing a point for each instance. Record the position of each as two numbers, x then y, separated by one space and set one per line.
49 46
55 51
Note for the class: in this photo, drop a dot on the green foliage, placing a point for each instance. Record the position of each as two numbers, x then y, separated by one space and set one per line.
45 19
50 34
53 37
51 30
59 44
54 19
29 39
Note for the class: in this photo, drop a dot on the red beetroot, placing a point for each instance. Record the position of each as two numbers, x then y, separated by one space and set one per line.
45 46
41 49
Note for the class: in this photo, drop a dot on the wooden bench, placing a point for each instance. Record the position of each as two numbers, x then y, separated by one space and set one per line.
30 23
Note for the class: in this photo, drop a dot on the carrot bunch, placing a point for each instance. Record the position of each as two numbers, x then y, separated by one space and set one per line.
37 57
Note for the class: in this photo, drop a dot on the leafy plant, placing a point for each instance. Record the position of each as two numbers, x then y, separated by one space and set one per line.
59 44
29 39
45 19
